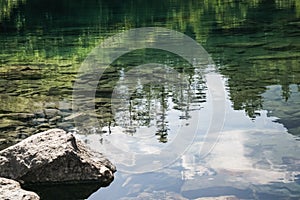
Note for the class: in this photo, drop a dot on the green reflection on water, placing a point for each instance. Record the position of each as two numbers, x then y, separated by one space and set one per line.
255 43
44 43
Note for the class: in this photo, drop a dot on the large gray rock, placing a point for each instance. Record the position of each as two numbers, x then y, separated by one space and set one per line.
55 156
11 190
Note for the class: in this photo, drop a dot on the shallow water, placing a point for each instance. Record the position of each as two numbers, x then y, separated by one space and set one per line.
254 46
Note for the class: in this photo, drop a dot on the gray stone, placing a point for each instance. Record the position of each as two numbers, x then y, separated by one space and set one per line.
55 119
17 115
156 195
50 112
39 120
11 190
219 198
64 125
55 156
50 105
44 125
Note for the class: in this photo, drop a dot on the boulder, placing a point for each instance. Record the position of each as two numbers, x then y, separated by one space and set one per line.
55 156
10 189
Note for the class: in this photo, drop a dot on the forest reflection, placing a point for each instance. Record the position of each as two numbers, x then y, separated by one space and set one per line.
44 43
152 106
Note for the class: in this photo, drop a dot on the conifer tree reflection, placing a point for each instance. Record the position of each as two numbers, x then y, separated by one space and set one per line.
161 122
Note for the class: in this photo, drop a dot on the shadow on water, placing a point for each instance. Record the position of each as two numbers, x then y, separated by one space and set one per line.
63 191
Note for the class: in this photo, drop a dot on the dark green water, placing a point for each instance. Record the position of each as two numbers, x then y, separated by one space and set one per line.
255 46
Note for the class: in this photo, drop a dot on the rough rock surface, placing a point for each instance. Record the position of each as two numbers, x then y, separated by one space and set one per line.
55 156
11 190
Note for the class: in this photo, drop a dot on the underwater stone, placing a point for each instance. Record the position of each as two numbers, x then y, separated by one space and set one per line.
219 198
242 45
50 112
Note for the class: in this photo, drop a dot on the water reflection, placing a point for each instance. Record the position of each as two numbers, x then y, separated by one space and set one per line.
284 109
254 43
252 160
179 89
40 58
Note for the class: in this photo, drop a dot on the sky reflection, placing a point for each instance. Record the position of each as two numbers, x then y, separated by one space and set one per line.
252 159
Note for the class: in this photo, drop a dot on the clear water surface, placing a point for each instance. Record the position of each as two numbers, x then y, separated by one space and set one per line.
255 45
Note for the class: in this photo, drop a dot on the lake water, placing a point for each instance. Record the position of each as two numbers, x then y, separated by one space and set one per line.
230 127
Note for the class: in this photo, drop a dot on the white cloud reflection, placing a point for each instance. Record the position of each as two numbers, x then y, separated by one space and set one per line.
249 154
244 157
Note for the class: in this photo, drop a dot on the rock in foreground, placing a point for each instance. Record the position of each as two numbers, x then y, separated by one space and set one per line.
54 156
10 189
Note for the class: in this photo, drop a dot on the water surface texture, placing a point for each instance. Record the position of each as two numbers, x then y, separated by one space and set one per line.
255 47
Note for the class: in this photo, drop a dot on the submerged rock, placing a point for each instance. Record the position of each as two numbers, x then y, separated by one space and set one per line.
242 45
156 195
10 189
55 156
278 56
219 198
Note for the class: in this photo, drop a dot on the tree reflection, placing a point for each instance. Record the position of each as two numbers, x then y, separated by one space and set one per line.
254 42
150 104
162 123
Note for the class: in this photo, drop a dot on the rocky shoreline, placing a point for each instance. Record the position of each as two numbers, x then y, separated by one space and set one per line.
51 157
